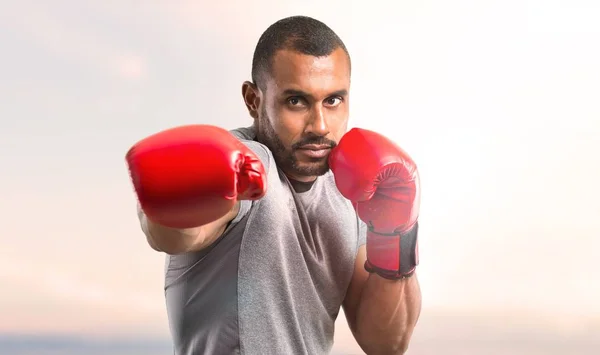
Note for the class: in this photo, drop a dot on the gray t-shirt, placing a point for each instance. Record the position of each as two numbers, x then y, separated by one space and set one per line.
275 281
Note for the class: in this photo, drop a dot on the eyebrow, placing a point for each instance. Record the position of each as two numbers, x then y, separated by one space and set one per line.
293 92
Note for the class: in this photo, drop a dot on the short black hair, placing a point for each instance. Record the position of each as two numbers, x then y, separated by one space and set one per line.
302 34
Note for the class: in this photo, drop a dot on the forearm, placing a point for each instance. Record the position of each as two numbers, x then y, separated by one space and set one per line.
387 314
169 240
177 241
172 241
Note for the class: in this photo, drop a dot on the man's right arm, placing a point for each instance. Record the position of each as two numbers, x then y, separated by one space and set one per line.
189 182
178 241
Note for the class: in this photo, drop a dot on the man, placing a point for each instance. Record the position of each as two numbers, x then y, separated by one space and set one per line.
270 229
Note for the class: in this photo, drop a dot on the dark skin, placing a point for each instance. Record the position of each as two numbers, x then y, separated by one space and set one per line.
305 100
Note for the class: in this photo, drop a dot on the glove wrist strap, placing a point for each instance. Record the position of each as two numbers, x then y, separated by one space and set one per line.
403 246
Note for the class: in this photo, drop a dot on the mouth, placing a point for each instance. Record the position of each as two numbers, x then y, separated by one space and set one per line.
315 151
315 147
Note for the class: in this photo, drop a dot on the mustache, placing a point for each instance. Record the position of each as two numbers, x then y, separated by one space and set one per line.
314 140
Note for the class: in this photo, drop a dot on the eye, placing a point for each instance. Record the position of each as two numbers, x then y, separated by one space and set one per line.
333 101
294 101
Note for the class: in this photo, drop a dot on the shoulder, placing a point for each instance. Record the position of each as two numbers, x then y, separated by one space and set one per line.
247 135
244 133
344 206
327 188
330 188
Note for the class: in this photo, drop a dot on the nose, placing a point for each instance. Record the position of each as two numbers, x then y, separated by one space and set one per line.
318 123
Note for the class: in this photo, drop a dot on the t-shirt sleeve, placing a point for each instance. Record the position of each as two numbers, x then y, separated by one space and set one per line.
362 233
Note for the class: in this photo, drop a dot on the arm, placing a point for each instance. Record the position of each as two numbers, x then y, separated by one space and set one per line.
177 241
383 302
189 182
381 313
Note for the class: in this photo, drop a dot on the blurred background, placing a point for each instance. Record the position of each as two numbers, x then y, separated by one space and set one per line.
497 101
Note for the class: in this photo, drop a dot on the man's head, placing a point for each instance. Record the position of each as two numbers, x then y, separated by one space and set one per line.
299 97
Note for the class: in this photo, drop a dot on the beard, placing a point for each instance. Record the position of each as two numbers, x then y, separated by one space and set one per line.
285 157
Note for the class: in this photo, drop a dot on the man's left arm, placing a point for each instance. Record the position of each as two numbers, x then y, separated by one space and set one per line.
383 301
381 313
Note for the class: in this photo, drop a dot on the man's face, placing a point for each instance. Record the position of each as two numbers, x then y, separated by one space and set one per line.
303 111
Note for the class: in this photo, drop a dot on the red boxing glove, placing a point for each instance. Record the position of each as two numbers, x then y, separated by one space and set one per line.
382 182
188 176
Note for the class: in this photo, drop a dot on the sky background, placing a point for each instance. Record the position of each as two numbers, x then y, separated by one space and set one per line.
496 101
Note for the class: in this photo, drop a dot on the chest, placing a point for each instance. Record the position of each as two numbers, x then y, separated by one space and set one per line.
297 255
311 236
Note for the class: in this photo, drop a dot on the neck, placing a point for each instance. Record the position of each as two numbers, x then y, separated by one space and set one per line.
305 179
303 185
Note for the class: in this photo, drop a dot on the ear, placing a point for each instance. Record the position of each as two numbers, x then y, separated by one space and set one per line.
251 96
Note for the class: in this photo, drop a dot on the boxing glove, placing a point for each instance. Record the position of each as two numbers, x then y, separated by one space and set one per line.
382 182
188 176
